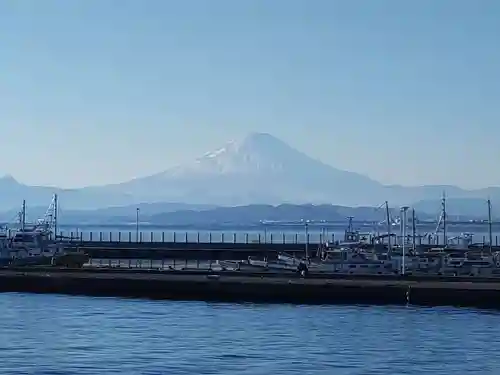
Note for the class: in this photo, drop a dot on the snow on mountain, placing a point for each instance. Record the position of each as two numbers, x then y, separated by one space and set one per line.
258 153
257 169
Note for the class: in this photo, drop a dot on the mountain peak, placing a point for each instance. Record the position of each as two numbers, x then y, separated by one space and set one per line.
8 178
254 153
253 144
262 143
260 138
258 168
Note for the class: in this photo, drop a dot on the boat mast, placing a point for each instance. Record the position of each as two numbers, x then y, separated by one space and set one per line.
490 234
388 219
349 228
403 232
55 215
23 215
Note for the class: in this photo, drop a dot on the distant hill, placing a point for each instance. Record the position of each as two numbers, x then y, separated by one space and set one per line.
187 214
253 214
120 214
460 208
182 214
258 169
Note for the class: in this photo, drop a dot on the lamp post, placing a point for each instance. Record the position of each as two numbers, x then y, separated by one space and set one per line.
490 234
306 230
137 224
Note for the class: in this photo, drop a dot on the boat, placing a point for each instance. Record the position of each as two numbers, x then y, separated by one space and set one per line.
264 264
37 244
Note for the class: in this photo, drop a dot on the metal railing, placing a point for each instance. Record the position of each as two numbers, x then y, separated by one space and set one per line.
232 237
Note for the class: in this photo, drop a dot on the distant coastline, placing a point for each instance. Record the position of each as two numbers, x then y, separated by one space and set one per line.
336 226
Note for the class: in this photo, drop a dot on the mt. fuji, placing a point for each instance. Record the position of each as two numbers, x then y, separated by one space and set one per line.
258 169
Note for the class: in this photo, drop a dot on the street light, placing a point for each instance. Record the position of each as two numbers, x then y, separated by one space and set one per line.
137 224
306 230
490 234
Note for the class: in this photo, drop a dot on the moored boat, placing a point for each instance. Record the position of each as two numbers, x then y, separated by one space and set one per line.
36 244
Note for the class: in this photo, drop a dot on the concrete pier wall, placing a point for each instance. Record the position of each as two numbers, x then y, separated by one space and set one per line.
202 251
289 289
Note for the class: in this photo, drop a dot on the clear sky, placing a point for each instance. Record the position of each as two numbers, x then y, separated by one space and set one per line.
99 91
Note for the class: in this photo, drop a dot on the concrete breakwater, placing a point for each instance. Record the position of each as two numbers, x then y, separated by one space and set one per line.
188 250
194 251
253 288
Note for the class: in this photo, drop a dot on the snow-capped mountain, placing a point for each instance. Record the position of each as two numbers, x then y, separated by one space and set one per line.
259 168
256 154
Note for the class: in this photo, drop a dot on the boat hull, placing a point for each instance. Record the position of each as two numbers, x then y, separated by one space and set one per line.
70 260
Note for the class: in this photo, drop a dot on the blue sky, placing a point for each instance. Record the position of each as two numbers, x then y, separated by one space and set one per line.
99 91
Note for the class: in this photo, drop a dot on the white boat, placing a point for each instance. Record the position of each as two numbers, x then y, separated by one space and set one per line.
345 261
30 244
289 260
266 265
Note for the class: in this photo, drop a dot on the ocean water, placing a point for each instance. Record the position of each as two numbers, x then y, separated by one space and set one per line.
53 334
271 235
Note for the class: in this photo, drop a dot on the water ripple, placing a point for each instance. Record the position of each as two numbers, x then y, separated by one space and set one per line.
49 334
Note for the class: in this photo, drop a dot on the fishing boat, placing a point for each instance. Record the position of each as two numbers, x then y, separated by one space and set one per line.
37 244
279 265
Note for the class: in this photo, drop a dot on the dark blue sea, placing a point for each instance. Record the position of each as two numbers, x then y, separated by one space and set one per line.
52 334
